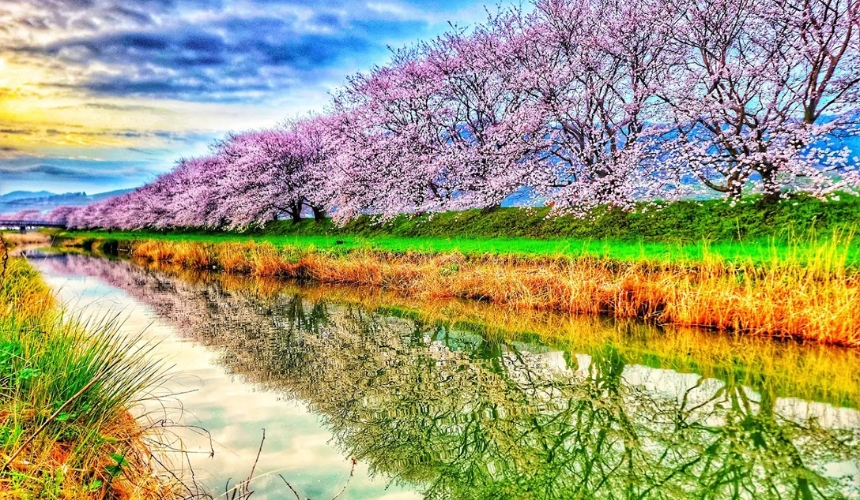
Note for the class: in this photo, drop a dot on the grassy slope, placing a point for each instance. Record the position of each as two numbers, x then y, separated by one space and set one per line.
685 221
65 391
682 231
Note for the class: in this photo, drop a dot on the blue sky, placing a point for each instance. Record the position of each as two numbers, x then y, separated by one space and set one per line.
98 95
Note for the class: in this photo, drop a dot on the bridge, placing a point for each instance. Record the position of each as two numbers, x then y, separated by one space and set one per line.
23 225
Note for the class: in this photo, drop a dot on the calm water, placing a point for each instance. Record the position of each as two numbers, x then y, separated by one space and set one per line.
444 408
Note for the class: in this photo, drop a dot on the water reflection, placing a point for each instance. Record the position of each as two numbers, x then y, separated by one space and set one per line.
458 414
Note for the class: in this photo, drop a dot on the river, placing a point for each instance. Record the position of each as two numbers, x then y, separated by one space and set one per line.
361 398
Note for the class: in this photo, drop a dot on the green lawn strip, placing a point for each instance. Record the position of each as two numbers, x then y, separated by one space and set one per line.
763 250
794 229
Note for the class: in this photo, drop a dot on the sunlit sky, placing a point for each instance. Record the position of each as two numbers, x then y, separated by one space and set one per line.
97 95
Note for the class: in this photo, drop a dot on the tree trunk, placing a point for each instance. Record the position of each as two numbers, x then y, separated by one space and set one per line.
296 212
319 214
769 184
491 208
735 190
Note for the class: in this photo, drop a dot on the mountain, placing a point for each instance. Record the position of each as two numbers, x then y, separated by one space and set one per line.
45 201
109 194
22 195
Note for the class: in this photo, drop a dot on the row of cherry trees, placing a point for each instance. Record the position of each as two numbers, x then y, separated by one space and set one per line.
577 102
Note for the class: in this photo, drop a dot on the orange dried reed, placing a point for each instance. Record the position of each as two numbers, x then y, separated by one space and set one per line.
816 299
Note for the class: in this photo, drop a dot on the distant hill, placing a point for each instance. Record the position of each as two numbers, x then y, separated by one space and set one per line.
45 201
21 195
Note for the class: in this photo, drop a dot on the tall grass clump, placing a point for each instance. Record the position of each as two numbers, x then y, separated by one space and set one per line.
66 388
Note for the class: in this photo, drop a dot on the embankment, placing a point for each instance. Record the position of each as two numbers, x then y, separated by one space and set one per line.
66 391
688 221
814 298
680 231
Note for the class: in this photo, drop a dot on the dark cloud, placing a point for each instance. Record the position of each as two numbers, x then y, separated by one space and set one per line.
125 13
49 170
147 152
116 107
56 171
329 20
185 136
67 168
193 50
62 175
34 23
228 59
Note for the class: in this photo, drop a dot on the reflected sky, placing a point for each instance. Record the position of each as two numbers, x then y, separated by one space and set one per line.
234 411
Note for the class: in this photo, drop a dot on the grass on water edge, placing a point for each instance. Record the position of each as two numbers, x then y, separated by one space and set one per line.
806 292
17 239
66 388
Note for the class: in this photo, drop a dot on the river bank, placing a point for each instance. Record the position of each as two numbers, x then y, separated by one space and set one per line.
66 430
32 238
811 294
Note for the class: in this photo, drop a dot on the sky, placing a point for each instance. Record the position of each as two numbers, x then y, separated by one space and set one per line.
97 95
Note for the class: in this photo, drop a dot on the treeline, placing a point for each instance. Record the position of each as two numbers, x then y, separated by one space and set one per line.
576 103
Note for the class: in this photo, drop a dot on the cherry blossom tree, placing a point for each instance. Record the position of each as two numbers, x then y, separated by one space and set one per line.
595 67
191 196
60 215
385 136
761 86
439 128
312 144
583 102
30 214
265 174
490 128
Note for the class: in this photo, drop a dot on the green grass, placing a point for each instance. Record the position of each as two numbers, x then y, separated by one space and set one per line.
680 231
683 221
761 250
65 389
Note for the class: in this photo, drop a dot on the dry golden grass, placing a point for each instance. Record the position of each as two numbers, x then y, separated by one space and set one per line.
23 239
25 295
50 466
817 300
